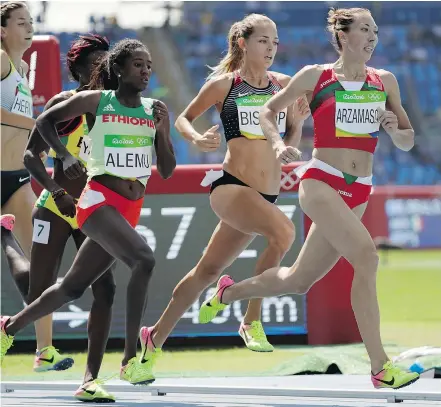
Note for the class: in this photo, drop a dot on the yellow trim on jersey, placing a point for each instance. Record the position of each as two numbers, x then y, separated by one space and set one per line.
73 140
45 200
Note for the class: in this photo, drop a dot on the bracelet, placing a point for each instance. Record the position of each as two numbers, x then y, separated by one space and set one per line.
58 193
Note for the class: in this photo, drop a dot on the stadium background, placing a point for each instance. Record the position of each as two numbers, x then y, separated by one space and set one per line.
410 47
184 38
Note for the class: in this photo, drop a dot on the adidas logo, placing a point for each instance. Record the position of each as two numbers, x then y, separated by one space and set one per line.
108 108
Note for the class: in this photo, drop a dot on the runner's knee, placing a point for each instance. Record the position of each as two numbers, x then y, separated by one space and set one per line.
301 287
301 280
208 272
71 292
104 291
282 237
364 259
36 291
143 259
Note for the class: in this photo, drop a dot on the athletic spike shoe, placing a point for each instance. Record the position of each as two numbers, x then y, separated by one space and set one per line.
149 352
211 307
48 359
92 392
7 222
5 339
254 337
392 377
136 372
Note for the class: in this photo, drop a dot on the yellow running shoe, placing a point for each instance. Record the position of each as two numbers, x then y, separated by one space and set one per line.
49 358
136 372
92 392
392 377
254 337
5 339
149 352
211 307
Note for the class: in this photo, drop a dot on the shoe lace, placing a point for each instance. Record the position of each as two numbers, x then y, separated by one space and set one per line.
99 381
392 368
134 367
257 331
49 348
102 380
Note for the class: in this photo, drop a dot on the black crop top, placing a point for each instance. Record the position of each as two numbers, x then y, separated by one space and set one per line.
240 111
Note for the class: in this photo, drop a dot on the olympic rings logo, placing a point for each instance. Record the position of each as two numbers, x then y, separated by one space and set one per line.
375 97
143 141
289 180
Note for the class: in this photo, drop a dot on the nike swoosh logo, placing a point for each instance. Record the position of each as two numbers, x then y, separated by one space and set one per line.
51 360
247 336
241 95
91 392
23 179
389 383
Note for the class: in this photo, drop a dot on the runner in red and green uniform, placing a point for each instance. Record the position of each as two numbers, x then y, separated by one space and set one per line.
125 129
349 102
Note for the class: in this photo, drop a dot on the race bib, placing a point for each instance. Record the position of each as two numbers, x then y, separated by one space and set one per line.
248 108
83 155
128 156
356 113
23 101
41 231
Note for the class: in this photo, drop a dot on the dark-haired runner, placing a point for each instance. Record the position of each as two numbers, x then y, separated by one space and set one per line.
126 128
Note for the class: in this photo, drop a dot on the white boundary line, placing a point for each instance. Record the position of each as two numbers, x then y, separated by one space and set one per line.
391 396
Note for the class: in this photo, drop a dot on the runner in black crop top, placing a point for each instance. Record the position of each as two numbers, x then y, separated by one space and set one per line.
240 111
244 192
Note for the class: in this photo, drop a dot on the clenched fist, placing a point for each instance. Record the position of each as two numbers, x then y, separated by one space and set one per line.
209 141
287 154
388 120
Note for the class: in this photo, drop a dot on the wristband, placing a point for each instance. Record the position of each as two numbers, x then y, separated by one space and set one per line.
58 193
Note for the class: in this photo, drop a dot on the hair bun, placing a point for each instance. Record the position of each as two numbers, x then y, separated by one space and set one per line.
332 16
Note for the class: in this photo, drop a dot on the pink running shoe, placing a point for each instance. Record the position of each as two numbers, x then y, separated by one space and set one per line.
211 307
7 221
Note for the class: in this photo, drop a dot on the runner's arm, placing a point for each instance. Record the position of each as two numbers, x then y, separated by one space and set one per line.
404 136
165 154
212 92
297 114
294 118
36 146
83 102
301 83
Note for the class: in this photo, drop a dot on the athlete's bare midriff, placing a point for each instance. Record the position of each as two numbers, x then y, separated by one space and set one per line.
354 162
13 144
132 190
254 162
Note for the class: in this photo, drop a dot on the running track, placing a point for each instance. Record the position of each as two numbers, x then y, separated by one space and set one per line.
333 390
